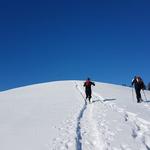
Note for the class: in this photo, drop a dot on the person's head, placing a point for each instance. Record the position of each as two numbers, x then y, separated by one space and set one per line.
136 77
88 79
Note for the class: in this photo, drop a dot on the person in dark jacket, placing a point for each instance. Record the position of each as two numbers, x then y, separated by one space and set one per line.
88 91
138 85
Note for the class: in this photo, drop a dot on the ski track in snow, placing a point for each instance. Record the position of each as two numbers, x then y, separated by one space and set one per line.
78 130
85 131
140 127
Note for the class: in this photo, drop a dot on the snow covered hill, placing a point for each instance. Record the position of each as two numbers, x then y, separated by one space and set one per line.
54 116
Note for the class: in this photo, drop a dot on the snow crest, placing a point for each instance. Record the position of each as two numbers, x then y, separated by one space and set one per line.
56 116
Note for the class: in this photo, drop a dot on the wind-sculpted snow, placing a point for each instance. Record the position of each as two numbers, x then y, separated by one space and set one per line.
56 116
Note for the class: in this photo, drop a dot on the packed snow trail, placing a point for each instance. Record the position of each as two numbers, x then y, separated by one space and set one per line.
136 129
87 137
91 139
78 130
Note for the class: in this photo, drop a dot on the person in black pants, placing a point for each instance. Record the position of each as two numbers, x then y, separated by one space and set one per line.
138 85
88 91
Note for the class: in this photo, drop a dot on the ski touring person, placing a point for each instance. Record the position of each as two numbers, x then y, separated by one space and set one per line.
138 85
88 91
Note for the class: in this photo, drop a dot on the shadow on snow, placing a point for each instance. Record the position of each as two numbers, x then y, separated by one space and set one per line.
78 129
105 100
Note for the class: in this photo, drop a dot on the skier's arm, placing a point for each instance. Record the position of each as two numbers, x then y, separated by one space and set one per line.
132 82
93 83
84 84
144 87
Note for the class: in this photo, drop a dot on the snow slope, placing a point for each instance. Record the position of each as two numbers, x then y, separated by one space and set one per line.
54 116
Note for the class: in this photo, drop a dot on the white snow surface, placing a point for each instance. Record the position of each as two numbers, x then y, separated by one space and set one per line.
55 116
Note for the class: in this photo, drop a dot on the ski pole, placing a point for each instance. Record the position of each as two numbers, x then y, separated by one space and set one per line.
144 95
132 95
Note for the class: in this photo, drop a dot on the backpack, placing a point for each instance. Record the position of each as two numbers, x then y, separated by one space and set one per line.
88 83
140 82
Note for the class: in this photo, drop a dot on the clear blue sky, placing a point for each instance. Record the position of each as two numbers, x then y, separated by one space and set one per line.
41 41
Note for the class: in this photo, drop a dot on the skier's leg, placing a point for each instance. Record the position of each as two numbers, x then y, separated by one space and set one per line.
86 92
138 95
90 96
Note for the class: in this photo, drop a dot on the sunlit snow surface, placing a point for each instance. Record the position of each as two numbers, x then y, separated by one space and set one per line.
55 116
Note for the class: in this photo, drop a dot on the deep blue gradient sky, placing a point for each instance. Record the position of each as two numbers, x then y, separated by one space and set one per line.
41 41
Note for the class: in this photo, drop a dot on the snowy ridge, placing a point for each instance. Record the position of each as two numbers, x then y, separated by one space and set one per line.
50 121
